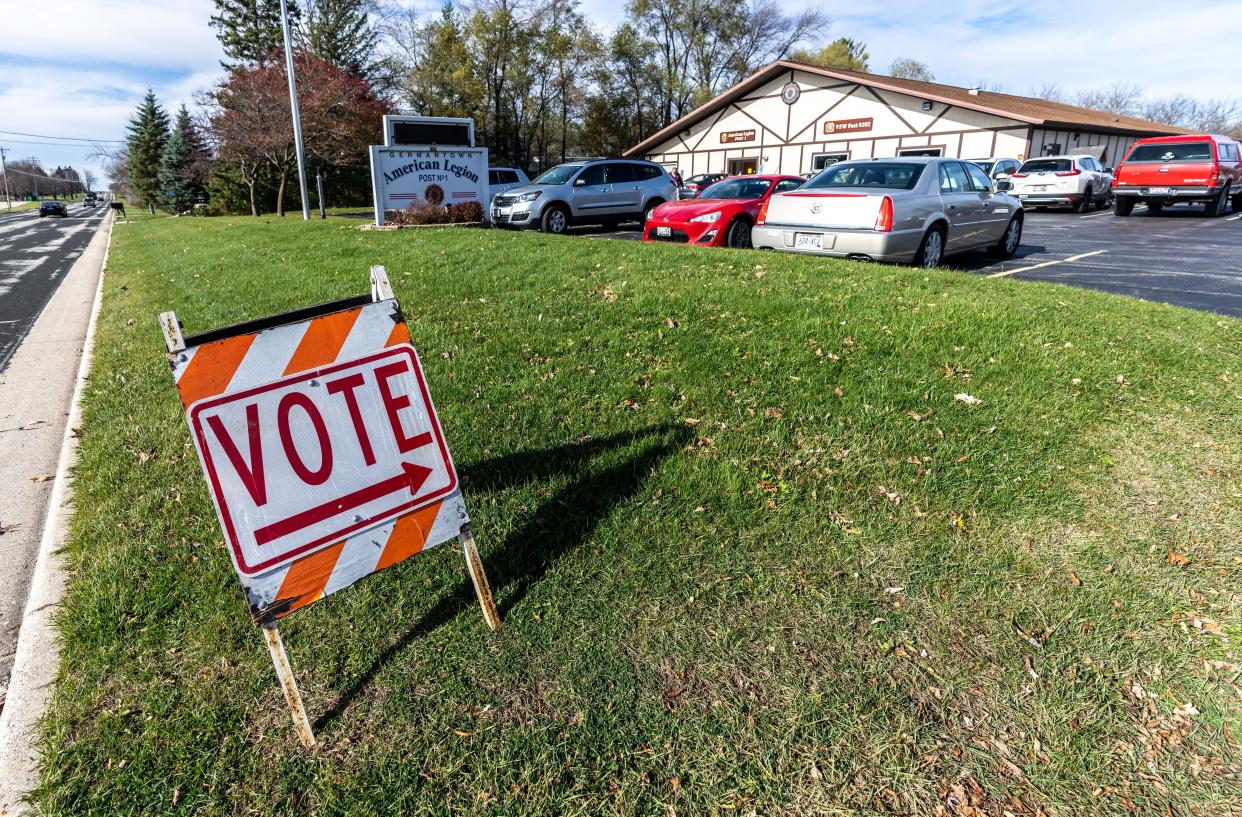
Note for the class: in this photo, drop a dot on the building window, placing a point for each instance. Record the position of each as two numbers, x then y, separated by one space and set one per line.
821 160
934 150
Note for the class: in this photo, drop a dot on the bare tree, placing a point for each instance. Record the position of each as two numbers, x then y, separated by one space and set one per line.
908 68
1123 99
89 178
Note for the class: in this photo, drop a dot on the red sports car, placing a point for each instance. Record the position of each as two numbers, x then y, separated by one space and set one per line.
720 216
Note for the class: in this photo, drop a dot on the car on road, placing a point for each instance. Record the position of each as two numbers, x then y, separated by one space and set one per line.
912 210
1166 170
601 191
1076 181
697 184
720 216
500 179
51 207
998 167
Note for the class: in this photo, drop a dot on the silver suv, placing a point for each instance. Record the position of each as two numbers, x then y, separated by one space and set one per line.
602 191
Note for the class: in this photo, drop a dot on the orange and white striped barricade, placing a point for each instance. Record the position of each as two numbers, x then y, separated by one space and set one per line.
322 452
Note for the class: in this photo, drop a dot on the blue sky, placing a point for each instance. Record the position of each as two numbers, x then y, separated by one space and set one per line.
77 68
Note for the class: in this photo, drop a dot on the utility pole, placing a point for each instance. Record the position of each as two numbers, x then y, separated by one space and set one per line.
293 105
4 170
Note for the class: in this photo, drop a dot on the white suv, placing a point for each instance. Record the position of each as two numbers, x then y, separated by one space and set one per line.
1080 182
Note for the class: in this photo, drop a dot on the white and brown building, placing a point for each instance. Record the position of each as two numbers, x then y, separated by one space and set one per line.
794 118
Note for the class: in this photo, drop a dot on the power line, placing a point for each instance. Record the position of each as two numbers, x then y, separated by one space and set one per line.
65 138
61 144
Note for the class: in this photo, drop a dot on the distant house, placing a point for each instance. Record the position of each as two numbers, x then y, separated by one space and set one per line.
793 118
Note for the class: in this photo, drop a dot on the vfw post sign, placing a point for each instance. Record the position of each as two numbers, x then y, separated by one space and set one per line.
323 454
402 176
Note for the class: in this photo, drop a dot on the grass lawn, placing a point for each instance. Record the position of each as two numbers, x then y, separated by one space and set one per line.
752 554
17 206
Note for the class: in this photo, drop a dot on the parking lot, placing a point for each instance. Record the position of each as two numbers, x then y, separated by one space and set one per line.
1177 257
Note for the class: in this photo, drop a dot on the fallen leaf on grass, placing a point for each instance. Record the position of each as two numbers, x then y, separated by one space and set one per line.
1074 578
692 421
462 734
1178 559
963 397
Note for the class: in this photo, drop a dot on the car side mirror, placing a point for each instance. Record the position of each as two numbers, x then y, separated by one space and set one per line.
1108 170
1003 185
579 182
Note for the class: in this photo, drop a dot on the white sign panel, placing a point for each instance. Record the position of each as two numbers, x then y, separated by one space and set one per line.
299 463
403 176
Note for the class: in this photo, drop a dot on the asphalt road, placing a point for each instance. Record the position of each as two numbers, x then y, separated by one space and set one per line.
35 254
1178 257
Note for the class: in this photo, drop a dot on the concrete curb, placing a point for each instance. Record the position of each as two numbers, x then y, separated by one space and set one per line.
38 645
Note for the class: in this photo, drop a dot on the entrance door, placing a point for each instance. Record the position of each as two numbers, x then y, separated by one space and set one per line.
741 167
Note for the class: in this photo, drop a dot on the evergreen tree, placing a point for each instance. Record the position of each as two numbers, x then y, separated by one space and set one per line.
148 134
249 30
180 168
340 33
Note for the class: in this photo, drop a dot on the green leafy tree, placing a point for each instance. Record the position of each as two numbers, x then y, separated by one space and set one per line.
181 169
340 33
249 30
147 137
843 53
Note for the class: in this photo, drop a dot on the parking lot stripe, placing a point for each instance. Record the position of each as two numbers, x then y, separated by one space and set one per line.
1097 215
1003 273
1235 218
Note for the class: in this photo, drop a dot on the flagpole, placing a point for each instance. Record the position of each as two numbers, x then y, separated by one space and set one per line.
293 105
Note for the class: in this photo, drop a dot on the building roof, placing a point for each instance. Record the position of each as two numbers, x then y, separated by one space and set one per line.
1022 108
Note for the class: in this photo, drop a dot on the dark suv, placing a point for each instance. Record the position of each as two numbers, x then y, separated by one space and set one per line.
50 207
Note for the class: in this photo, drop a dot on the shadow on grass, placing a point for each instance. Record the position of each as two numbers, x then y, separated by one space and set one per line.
565 519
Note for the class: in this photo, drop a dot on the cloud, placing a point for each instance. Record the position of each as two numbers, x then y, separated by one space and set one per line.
79 68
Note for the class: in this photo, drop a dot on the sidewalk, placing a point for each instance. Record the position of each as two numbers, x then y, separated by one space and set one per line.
36 445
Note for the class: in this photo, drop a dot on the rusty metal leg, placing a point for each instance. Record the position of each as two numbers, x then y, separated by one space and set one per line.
289 684
481 588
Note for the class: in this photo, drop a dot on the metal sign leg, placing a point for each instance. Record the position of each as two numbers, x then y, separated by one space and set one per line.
481 588
289 684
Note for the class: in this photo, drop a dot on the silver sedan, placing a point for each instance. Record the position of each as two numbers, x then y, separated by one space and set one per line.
904 210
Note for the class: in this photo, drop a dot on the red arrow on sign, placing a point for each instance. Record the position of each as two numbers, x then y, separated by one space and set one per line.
411 477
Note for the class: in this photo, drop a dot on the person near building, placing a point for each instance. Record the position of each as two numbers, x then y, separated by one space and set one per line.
676 176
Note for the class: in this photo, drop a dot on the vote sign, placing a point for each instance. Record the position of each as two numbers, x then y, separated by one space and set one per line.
300 463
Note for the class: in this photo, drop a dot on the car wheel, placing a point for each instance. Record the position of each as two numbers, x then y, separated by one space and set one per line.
1123 206
738 236
555 220
1087 200
1237 203
931 251
650 208
1217 205
1010 241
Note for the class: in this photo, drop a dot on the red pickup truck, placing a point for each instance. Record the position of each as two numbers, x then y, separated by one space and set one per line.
1165 170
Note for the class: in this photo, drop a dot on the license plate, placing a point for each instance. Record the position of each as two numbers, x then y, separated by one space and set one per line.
1039 188
1162 191
808 241
664 231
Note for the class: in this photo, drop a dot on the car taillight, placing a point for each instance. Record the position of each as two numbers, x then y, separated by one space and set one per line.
1074 172
884 221
1020 175
763 213
1213 177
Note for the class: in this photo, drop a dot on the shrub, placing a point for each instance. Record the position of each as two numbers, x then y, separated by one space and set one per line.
420 212
467 211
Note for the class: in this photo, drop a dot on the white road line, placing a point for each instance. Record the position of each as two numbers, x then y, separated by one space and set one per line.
1003 273
1235 218
1097 215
